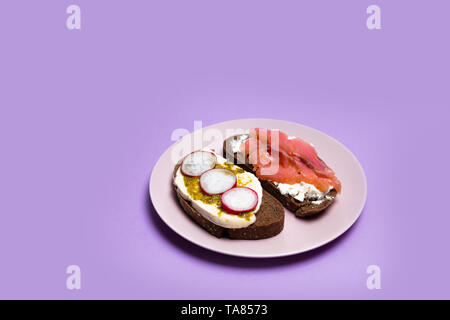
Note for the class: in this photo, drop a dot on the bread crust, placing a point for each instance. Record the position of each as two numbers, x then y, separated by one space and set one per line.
301 209
269 219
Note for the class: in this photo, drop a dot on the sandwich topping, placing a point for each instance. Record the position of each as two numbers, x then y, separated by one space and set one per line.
298 171
205 191
303 191
217 181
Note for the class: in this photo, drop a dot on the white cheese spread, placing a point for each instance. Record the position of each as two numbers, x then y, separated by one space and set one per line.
236 143
301 191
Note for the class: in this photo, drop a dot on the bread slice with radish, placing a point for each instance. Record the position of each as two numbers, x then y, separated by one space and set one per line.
224 199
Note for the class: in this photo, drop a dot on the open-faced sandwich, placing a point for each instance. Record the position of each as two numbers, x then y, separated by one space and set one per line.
224 199
288 168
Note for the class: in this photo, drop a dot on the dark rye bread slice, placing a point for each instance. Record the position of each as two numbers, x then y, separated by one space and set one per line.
269 219
303 209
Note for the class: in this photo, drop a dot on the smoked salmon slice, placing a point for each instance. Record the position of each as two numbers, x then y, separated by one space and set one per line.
280 158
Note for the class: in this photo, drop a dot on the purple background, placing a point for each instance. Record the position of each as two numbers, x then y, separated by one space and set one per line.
84 116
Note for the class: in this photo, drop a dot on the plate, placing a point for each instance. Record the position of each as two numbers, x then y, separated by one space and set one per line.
299 235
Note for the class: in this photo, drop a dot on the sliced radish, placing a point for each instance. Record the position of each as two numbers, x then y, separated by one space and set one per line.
239 200
217 181
197 162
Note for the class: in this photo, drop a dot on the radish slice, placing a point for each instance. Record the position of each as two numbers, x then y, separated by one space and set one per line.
217 181
197 162
239 200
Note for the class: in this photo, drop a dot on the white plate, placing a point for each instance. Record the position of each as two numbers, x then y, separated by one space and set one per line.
299 235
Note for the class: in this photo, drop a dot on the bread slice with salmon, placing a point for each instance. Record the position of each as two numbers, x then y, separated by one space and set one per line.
304 199
235 209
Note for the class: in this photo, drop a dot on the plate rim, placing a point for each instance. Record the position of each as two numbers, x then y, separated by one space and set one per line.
265 256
